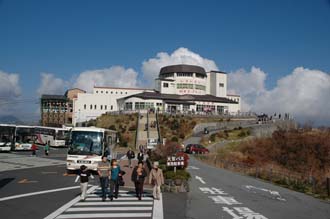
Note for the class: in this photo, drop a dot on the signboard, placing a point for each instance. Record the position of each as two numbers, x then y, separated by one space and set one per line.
173 161
152 143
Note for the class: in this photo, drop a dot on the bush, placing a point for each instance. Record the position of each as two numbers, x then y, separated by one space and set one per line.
212 137
182 136
112 127
175 139
132 128
180 174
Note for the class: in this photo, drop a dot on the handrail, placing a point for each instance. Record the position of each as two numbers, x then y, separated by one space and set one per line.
158 128
137 129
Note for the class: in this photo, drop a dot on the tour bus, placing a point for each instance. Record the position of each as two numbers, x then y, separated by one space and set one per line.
87 145
24 137
7 137
57 137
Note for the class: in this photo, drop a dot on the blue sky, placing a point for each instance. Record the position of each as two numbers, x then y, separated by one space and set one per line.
66 38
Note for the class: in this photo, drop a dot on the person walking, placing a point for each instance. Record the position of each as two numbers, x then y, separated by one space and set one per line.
156 178
140 157
103 170
47 148
115 173
130 155
34 149
138 176
83 175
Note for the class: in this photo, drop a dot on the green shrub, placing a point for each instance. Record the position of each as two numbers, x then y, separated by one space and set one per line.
175 139
212 137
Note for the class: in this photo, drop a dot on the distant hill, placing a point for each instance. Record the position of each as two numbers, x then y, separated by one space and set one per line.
9 119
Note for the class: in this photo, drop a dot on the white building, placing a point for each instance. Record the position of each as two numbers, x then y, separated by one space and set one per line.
183 88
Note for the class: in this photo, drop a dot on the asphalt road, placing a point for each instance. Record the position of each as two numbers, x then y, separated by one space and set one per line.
218 193
35 187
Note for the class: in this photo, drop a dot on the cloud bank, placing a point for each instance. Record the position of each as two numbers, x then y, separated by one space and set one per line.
50 84
116 76
9 85
303 93
151 67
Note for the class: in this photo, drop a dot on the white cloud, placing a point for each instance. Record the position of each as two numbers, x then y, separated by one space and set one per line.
304 93
52 85
151 67
247 84
9 92
116 76
9 86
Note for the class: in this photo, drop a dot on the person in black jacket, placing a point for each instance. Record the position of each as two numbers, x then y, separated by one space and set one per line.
83 174
138 176
130 155
140 157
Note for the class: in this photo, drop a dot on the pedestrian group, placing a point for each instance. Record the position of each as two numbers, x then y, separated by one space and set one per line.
111 175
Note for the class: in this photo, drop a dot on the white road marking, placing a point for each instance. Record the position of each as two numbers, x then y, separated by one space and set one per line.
200 179
38 193
110 208
158 208
274 194
86 203
231 213
121 198
120 195
193 168
67 205
105 215
93 207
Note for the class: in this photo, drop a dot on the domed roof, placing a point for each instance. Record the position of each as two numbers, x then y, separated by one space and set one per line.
182 68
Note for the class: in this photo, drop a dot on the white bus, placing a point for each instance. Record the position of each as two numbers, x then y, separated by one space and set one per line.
56 137
24 137
87 146
7 137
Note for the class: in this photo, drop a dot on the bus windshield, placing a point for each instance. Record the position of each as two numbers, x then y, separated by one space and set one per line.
24 135
6 135
61 135
86 143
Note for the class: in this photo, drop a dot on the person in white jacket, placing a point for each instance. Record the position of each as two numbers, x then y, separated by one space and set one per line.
83 175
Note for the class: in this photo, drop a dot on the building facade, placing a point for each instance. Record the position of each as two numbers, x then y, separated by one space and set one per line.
178 88
57 110
54 110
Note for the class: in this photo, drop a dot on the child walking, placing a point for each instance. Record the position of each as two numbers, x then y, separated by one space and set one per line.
83 174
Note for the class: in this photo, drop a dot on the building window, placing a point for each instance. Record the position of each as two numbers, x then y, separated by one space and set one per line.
101 107
200 87
95 106
185 86
128 106
102 92
106 92
105 107
116 92
121 92
200 76
97 92
84 106
184 74
111 107
221 84
165 84
91 107
126 92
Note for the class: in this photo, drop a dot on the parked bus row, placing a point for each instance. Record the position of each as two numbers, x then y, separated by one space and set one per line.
21 137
